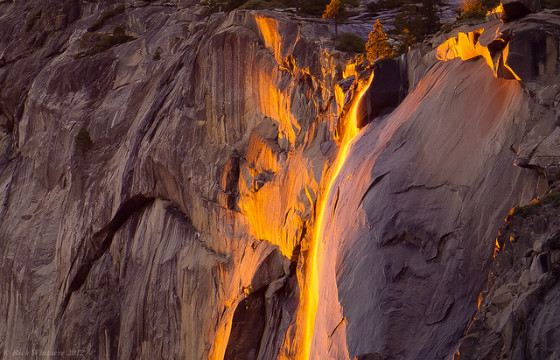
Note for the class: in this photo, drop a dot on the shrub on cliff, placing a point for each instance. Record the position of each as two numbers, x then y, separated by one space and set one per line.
406 40
472 9
377 45
229 5
477 9
106 15
380 5
212 5
551 4
349 42
312 7
221 5
417 17
307 7
99 42
413 22
83 141
263 4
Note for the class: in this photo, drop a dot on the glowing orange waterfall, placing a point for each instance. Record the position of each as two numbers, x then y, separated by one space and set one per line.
310 291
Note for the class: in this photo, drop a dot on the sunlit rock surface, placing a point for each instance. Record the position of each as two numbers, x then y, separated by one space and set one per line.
423 194
159 181
413 233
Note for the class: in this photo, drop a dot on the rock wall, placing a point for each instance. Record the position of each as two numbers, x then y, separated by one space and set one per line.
160 170
426 189
518 317
423 193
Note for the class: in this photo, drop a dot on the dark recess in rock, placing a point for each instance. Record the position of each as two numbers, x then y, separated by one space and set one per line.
374 356
388 89
516 9
532 54
271 269
247 327
229 181
100 242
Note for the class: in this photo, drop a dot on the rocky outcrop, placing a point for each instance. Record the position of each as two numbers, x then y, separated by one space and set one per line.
387 90
403 176
518 315
153 161
533 48
425 192
526 50
516 9
161 169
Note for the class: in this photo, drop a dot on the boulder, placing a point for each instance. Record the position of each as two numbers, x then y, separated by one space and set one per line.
518 317
516 9
533 52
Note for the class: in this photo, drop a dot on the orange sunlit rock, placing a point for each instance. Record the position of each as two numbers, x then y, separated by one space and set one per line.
479 299
497 11
463 46
496 249
310 289
268 28
466 46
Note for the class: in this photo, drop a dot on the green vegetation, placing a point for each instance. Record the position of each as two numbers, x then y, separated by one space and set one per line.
212 5
312 7
552 199
99 42
380 5
551 4
472 9
477 9
32 20
263 4
415 19
157 55
429 12
349 42
335 11
377 45
407 39
413 23
83 141
106 15
307 7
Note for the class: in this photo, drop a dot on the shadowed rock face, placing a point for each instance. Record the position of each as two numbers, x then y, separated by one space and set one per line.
518 317
534 50
160 169
144 178
516 9
388 88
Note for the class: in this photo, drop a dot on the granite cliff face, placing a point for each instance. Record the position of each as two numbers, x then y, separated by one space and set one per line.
161 171
150 185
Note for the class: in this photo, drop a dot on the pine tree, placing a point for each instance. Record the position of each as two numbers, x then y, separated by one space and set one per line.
335 10
377 45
